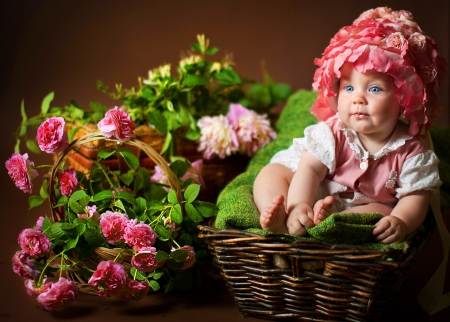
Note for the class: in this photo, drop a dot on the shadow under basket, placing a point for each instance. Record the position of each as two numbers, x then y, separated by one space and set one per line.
283 277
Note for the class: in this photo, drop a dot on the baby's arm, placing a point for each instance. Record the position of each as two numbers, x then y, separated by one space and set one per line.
406 217
302 193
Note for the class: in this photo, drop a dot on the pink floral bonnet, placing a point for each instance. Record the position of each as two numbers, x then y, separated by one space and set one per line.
389 42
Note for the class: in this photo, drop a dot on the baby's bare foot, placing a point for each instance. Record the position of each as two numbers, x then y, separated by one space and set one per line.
322 209
273 218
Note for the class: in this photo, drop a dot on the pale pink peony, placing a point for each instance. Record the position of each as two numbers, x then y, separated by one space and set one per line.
32 289
217 137
253 130
140 235
389 42
113 226
194 172
134 290
109 279
67 181
51 136
117 123
34 242
145 260
22 171
23 265
59 295
190 260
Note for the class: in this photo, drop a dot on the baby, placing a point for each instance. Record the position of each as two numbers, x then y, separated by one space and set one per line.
361 157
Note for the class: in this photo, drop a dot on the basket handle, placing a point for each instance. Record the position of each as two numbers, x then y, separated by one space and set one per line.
96 136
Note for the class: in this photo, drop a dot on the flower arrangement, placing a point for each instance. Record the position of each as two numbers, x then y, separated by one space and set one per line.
112 233
172 105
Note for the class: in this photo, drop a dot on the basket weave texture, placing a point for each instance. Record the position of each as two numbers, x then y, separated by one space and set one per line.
280 276
103 253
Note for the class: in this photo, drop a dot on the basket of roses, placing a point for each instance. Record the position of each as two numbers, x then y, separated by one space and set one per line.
112 233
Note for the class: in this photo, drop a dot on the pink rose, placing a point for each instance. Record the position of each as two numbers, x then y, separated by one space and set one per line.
91 212
32 289
109 279
34 242
134 290
428 74
190 260
145 260
23 265
113 226
39 223
22 171
117 123
417 43
67 181
51 136
59 294
140 235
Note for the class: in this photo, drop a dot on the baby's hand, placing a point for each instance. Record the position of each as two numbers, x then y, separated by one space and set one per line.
299 217
390 229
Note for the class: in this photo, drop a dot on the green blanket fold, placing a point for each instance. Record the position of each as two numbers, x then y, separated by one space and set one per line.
235 202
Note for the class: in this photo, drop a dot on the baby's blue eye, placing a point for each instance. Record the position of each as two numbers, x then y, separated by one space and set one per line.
348 88
374 89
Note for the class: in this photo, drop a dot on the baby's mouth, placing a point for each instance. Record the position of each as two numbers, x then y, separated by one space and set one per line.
360 115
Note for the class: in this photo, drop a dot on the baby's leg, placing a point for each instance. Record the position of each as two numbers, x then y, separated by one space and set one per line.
269 192
323 208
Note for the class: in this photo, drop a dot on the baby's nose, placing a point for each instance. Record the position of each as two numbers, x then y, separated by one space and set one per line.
359 99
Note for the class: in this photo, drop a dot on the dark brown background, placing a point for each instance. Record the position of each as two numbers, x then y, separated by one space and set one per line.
66 46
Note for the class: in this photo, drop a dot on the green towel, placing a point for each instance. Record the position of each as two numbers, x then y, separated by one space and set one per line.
238 211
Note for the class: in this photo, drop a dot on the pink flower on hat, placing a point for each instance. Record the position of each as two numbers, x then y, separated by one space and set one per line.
51 136
22 171
389 42
117 123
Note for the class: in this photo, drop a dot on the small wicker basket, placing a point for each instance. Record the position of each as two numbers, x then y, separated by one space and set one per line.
280 276
103 253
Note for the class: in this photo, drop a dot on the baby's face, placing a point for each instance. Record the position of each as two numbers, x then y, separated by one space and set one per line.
367 103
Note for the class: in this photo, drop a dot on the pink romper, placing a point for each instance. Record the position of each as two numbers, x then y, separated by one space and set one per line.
402 166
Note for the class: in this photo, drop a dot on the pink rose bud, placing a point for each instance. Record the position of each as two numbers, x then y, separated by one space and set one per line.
51 136
67 181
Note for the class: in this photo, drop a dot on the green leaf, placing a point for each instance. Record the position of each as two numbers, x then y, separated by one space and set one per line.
227 77
57 230
33 146
71 243
129 197
154 285
260 94
158 274
172 197
211 51
131 160
195 80
76 207
158 120
34 201
126 178
94 237
23 128
78 195
43 190
137 275
61 202
73 132
46 102
196 47
119 204
162 256
103 154
148 94
162 232
17 146
179 255
206 209
186 239
179 168
193 213
191 192
177 214
104 194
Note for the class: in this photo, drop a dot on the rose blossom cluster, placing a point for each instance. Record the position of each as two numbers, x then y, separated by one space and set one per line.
241 130
35 245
